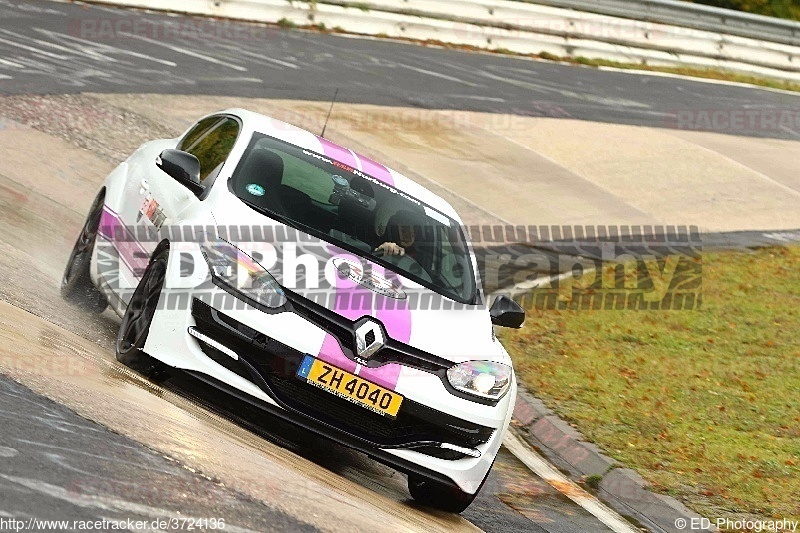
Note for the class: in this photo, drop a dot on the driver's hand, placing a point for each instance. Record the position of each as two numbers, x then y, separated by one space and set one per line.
390 248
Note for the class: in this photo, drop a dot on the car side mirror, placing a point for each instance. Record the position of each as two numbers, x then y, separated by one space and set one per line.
183 167
507 313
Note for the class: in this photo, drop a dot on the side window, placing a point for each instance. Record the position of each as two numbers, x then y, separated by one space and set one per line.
197 131
211 141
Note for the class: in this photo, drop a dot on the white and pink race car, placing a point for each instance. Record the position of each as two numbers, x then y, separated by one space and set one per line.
311 281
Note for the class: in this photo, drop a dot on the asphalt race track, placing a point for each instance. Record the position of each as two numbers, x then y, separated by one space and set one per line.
83 438
55 48
257 473
240 465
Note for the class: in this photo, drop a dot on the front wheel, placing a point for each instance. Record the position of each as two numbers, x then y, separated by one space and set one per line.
136 321
76 284
444 497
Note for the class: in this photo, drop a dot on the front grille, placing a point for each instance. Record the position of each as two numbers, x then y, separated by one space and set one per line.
273 365
411 424
391 355
343 330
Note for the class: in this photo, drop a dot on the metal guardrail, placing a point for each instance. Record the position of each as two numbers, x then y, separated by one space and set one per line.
527 27
696 16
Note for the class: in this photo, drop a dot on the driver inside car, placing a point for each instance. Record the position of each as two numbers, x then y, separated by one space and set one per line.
406 244
402 235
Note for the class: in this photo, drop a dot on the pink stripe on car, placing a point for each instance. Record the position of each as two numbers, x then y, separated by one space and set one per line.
339 153
396 318
376 170
129 249
347 293
368 166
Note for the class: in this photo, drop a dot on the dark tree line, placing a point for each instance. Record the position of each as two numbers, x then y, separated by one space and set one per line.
788 9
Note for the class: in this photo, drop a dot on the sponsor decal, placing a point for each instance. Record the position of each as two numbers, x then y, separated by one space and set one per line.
255 189
356 172
153 211
374 282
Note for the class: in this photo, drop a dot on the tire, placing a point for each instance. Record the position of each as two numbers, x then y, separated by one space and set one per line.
136 321
76 283
443 497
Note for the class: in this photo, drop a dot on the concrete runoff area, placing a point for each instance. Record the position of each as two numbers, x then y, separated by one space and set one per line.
55 150
510 169
79 374
59 470
49 175
263 473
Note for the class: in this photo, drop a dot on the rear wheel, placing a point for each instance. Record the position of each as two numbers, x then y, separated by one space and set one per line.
444 497
136 321
76 284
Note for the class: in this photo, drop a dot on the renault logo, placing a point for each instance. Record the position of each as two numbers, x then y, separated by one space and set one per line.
369 339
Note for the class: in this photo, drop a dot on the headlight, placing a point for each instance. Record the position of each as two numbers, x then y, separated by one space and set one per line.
241 273
481 378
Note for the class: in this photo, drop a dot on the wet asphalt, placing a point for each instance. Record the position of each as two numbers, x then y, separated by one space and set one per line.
57 48
57 465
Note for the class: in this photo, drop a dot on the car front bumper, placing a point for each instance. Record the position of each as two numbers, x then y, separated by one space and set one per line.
270 347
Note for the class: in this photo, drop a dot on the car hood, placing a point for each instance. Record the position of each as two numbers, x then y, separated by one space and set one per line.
353 286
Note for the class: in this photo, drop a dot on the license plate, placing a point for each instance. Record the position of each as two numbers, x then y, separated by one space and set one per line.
349 387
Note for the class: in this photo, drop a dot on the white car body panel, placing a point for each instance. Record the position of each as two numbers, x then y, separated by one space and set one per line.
456 335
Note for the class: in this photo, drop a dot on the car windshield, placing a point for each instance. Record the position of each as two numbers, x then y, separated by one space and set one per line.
351 209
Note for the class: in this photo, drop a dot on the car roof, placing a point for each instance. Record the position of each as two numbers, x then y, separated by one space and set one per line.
273 127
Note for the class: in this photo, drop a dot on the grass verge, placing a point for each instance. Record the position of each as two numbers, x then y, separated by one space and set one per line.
704 404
